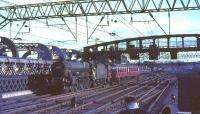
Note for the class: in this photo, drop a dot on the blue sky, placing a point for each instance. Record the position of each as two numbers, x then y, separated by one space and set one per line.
183 22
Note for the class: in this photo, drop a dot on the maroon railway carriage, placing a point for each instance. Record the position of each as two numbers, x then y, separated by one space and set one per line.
123 71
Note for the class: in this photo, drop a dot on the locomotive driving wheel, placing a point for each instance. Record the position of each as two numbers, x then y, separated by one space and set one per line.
66 85
86 82
74 84
79 84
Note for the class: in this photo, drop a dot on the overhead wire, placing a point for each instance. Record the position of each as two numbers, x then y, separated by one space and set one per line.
74 22
36 35
146 23
148 27
87 26
3 29
4 1
102 30
80 24
132 26
126 24
45 38
10 3
151 15
88 37
106 31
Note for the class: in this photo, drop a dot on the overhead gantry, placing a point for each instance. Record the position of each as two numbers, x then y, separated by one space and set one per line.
76 8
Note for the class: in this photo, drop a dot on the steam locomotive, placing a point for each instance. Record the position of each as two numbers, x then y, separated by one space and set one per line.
69 75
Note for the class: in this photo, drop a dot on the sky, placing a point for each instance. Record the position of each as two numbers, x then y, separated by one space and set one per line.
55 32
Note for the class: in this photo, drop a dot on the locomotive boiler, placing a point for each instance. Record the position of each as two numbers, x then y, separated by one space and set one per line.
71 75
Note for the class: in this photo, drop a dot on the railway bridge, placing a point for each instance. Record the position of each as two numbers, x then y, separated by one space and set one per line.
152 45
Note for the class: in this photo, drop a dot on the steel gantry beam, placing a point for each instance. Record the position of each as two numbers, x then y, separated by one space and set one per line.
75 8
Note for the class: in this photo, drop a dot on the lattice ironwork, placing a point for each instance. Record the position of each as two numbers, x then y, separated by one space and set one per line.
14 73
11 66
27 46
13 83
91 8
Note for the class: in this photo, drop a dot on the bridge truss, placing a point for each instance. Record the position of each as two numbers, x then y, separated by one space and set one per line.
76 8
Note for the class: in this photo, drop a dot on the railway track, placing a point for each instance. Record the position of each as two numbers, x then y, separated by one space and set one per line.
103 104
144 99
88 100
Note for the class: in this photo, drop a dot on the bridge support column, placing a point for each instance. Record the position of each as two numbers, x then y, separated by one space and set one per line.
173 54
153 52
198 42
133 53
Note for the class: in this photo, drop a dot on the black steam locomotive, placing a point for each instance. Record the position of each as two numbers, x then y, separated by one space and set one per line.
69 75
